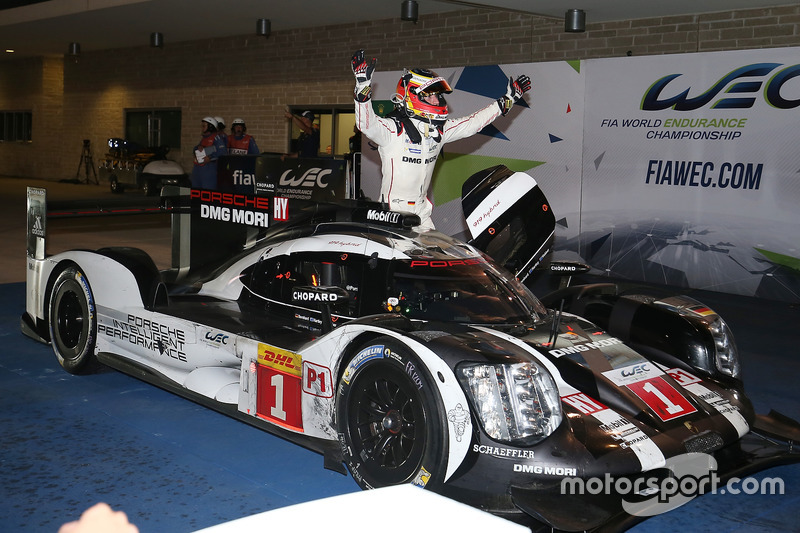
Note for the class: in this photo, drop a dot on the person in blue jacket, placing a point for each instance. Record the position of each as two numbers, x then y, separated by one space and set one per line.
206 153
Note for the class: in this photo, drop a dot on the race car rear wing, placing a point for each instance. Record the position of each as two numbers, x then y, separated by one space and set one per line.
36 223
509 218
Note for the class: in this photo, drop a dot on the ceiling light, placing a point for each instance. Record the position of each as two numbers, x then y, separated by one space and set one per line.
157 39
409 10
263 27
575 21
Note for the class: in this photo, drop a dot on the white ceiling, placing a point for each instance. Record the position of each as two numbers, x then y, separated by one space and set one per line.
47 28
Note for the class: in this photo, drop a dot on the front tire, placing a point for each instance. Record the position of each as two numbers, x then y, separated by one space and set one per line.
389 418
73 321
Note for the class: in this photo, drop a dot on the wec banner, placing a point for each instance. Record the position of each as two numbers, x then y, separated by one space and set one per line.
690 170
312 179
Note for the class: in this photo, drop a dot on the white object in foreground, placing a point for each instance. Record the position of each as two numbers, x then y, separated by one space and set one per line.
399 509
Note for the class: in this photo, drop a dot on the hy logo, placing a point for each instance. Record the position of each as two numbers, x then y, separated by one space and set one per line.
740 88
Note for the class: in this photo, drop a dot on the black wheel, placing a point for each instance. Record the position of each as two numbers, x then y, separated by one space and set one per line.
73 323
389 418
115 185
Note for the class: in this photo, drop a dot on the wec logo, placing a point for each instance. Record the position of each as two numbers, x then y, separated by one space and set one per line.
635 370
219 338
312 177
744 83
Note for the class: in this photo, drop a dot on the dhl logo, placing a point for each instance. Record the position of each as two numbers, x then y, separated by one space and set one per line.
281 360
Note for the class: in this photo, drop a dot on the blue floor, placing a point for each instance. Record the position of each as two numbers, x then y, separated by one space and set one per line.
70 441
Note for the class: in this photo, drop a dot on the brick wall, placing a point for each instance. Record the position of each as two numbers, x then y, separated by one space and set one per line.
255 78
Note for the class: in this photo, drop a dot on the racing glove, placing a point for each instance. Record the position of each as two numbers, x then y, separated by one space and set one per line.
362 70
514 93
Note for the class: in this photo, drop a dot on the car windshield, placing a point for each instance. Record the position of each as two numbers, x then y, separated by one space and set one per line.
468 291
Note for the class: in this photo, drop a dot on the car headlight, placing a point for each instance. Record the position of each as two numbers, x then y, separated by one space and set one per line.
726 355
516 403
721 357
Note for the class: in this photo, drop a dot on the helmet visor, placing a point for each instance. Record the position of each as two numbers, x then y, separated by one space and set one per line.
436 85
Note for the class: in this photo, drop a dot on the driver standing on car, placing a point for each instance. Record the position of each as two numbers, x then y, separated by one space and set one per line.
410 138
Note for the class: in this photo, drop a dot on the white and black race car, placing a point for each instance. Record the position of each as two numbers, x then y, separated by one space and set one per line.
419 358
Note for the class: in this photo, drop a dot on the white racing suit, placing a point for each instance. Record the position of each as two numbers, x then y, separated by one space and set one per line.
407 167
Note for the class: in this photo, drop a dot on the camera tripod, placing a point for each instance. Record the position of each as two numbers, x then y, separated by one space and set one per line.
87 162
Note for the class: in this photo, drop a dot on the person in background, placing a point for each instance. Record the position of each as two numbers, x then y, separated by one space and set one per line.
221 129
411 137
206 153
308 142
239 142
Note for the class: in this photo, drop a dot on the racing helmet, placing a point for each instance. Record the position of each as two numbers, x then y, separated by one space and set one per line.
239 122
211 122
414 89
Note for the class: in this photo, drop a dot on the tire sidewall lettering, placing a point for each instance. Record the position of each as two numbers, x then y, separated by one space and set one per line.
72 280
418 379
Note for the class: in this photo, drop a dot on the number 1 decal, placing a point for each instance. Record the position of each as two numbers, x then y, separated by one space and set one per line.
671 407
662 398
279 398
277 409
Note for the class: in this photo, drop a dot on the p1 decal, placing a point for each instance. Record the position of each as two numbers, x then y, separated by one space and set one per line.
317 380
682 377
695 386
280 386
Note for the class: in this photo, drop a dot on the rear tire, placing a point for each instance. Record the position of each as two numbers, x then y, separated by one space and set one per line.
389 418
73 321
